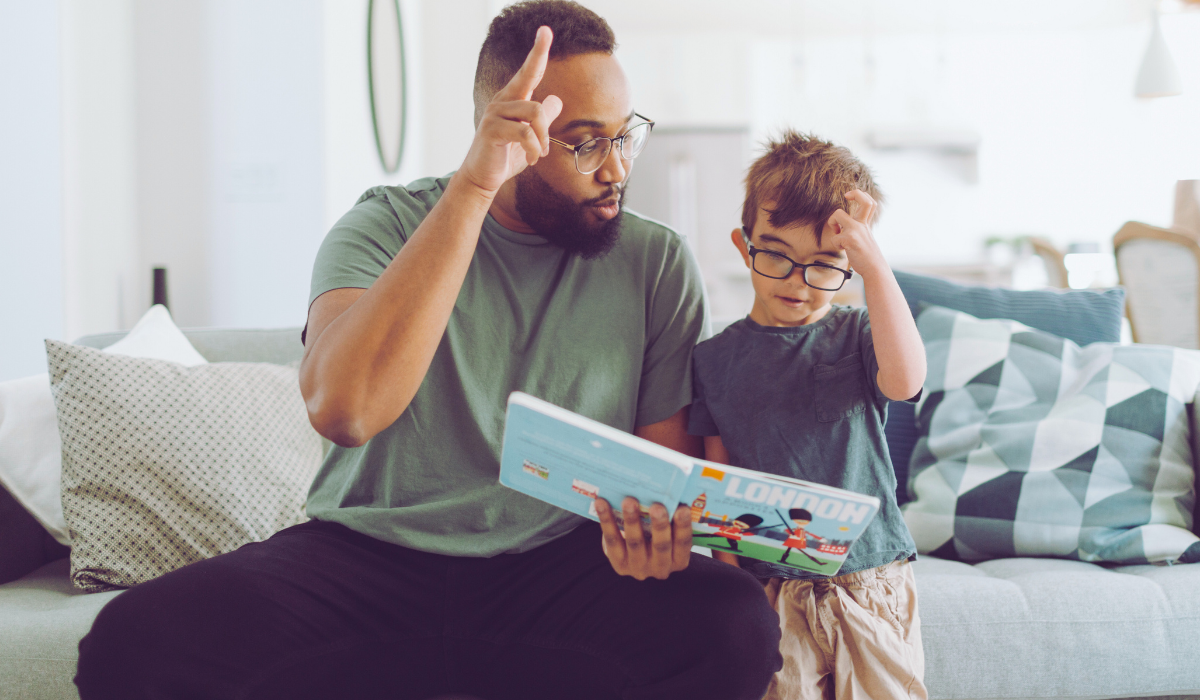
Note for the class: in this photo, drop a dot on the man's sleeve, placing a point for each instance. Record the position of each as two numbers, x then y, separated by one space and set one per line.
358 248
678 319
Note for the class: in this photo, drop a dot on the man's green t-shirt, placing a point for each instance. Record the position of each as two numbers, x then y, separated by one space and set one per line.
609 338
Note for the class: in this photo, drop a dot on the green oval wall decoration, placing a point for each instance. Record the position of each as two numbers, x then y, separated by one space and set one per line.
385 75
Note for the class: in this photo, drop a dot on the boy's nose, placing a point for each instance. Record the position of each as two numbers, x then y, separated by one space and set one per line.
796 281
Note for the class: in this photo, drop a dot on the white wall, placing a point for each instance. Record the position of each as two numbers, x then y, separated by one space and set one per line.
351 165
283 148
174 155
452 32
98 165
266 185
220 139
31 265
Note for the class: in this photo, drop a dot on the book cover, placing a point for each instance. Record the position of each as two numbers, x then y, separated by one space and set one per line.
785 521
568 460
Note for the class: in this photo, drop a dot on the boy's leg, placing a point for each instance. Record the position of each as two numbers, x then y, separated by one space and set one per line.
805 644
316 611
878 634
558 622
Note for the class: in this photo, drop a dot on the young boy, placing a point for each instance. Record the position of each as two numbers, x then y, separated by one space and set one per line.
800 388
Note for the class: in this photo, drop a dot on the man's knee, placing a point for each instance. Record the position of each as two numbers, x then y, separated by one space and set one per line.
120 649
738 638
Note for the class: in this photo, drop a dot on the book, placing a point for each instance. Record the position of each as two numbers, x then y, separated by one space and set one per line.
569 460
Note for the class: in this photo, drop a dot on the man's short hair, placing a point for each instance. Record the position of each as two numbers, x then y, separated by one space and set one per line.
806 179
577 30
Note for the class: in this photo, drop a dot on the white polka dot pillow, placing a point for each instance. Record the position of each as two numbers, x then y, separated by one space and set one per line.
165 465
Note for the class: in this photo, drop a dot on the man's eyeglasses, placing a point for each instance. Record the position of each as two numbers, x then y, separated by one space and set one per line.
590 155
778 266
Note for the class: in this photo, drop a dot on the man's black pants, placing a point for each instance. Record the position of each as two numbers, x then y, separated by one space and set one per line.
321 611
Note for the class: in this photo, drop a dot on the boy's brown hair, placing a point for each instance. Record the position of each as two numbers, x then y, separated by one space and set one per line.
806 179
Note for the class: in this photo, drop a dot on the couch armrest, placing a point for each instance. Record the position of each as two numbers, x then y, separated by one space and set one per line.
24 543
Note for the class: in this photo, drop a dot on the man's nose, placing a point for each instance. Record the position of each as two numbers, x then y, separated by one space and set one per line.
615 168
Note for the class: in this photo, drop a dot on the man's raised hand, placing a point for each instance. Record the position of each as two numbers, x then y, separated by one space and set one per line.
665 551
514 130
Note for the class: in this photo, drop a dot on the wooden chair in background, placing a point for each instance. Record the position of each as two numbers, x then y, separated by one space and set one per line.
1187 207
1160 270
1052 258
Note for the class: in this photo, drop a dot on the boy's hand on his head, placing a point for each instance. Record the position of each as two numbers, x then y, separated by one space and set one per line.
852 232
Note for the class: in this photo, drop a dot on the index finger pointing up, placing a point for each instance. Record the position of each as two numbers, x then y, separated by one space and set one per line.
530 74
864 212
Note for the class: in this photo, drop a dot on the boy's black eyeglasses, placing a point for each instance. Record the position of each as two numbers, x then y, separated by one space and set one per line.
778 266
591 154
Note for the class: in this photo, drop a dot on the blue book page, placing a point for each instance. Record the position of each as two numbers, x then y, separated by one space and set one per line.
568 463
785 521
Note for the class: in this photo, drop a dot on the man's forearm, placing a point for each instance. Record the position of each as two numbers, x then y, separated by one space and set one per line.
363 366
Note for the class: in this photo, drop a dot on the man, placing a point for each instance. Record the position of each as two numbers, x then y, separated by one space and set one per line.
419 574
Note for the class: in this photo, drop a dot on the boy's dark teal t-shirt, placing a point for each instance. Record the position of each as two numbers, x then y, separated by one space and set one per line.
803 402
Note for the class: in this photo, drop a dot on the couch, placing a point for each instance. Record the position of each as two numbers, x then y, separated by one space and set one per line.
1007 628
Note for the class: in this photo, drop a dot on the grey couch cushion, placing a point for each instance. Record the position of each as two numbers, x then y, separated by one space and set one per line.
1010 628
43 617
1032 628
277 345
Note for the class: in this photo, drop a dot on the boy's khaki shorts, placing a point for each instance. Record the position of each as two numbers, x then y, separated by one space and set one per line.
849 637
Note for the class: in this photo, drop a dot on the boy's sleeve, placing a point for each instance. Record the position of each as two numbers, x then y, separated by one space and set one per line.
871 363
700 420
678 320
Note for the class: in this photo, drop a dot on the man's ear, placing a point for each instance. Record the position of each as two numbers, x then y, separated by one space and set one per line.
739 241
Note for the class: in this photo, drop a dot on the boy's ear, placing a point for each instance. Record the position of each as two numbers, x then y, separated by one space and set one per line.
739 241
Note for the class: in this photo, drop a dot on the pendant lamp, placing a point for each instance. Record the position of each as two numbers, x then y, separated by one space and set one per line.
1158 76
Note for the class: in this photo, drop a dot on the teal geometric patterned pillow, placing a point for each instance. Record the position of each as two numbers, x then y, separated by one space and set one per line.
1033 446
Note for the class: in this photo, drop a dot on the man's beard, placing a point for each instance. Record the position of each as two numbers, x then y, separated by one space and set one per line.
553 216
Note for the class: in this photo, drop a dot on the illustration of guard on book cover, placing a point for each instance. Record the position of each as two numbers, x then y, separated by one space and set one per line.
771 522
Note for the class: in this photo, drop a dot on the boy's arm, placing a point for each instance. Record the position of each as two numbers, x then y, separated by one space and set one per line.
672 433
898 347
714 451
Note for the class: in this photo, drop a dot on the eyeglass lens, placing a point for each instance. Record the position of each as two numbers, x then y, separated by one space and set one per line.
778 267
592 154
